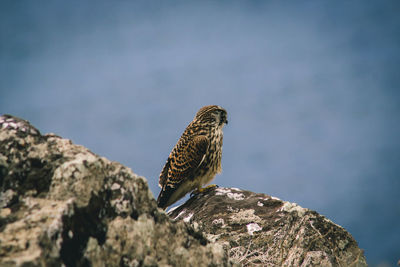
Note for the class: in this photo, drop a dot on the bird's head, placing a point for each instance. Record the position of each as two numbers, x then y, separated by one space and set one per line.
214 115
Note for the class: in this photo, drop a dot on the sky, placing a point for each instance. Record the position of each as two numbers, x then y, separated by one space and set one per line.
311 89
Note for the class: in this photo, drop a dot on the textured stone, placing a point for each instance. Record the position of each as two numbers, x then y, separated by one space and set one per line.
61 204
261 230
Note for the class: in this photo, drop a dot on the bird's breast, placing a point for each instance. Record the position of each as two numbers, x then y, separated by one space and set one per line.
212 163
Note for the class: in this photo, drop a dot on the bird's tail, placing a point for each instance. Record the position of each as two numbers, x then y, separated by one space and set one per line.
163 200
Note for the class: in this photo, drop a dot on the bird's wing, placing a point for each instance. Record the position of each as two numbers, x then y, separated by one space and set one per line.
164 173
182 163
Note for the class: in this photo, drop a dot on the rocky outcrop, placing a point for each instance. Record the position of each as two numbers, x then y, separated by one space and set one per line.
61 204
260 230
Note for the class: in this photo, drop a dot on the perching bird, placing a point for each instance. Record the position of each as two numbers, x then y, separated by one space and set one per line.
196 158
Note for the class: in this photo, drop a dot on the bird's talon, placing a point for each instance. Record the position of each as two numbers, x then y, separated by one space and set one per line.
203 189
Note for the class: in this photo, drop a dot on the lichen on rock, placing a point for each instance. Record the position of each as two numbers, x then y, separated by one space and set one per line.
259 230
61 204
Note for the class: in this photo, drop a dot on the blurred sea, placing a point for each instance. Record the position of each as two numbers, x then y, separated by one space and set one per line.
311 89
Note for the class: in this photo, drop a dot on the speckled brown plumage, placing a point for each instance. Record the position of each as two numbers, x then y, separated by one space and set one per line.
196 158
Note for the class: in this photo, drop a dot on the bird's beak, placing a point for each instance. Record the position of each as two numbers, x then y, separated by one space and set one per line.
223 118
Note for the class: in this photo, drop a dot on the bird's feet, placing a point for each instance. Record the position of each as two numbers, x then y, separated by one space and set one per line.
203 189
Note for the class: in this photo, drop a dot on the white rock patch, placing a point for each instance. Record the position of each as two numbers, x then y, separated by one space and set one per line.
187 218
253 227
235 196
228 192
218 221
222 191
293 207
245 216
115 186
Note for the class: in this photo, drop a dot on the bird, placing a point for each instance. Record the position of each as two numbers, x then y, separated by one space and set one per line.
196 158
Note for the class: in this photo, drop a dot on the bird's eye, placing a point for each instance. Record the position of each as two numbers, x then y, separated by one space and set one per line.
214 117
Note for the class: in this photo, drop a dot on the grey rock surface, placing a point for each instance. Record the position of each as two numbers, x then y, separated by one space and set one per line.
260 230
61 204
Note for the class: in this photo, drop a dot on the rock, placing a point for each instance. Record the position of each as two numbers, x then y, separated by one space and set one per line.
61 204
261 230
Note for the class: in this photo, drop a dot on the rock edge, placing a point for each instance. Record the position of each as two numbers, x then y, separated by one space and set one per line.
61 204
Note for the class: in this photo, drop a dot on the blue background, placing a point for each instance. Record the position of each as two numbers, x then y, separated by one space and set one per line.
311 89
